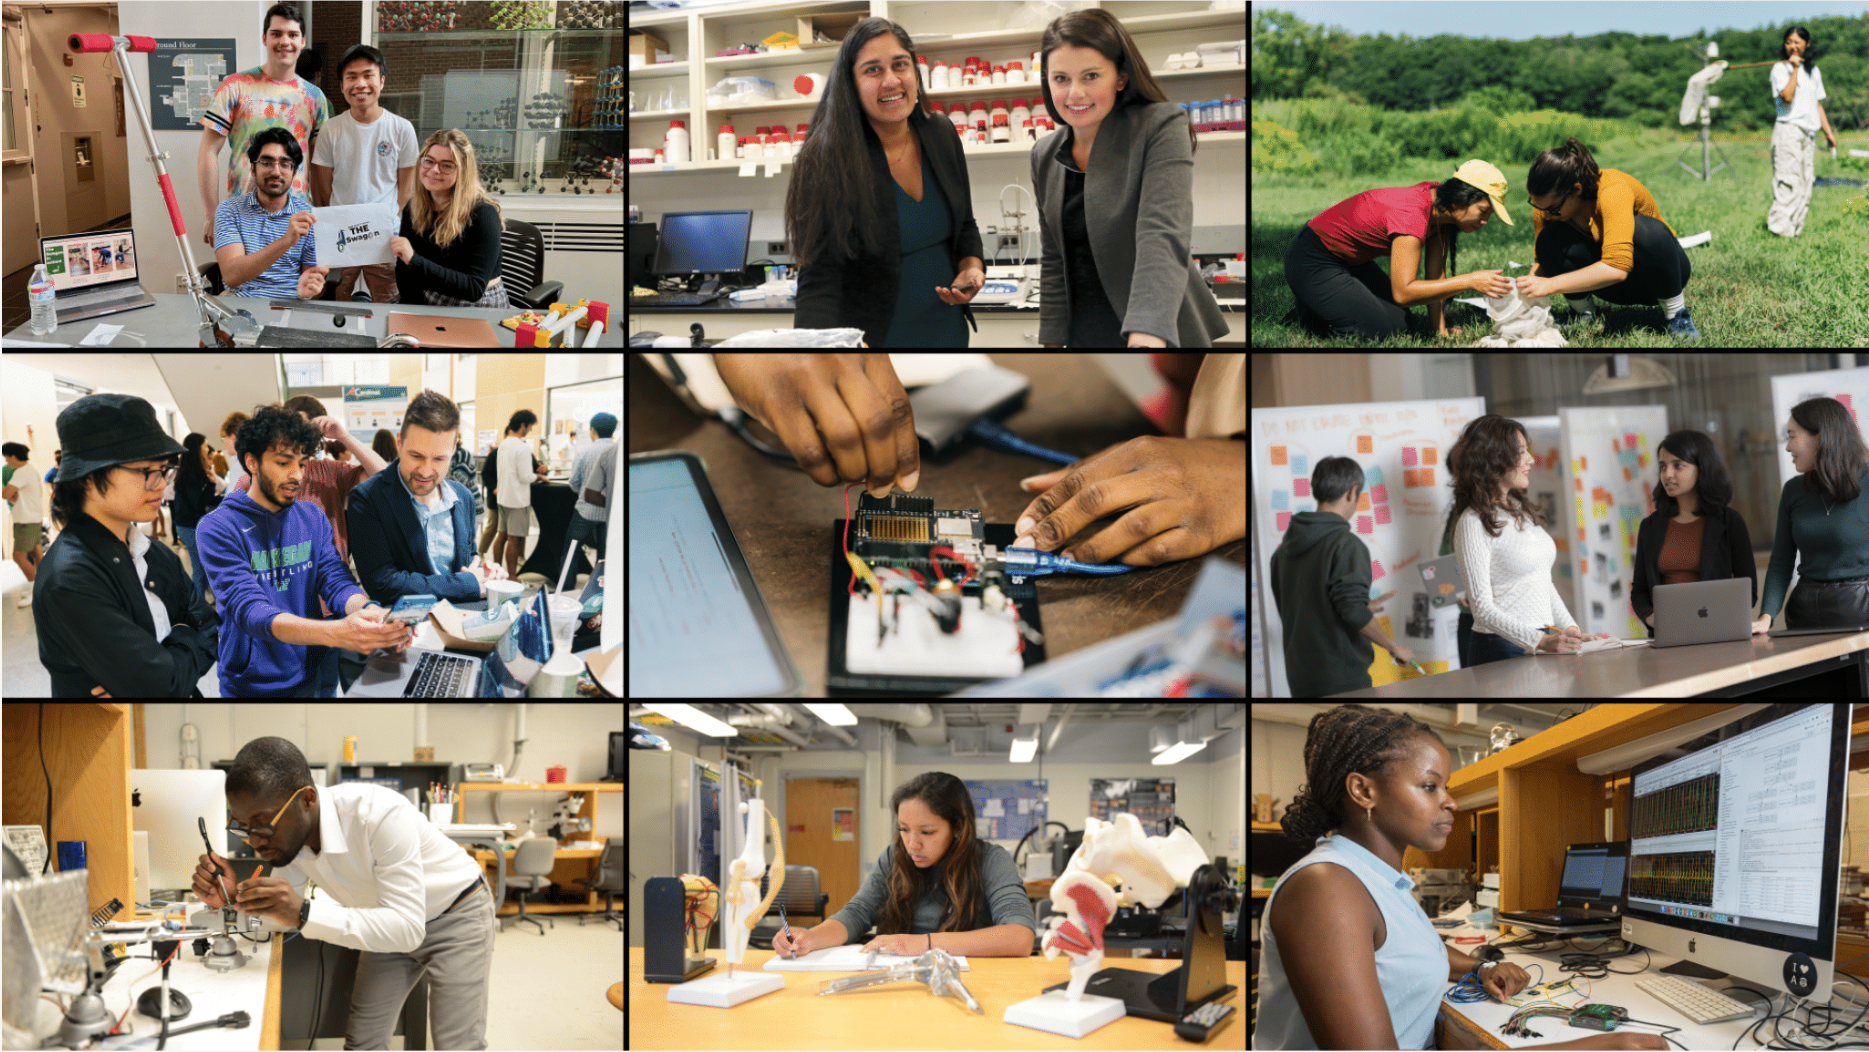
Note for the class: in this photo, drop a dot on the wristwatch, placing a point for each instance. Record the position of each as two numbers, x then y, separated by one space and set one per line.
304 912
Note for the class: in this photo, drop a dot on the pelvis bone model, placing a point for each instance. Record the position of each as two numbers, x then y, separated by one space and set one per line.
1150 868
744 906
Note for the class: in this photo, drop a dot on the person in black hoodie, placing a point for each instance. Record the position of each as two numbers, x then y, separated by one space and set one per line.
880 210
116 614
1694 534
1320 584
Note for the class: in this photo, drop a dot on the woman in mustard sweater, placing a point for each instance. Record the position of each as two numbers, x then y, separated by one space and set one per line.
1600 231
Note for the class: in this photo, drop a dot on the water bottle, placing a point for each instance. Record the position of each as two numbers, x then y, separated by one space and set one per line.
44 305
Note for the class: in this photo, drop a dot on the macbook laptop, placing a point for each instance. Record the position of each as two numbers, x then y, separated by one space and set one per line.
1590 888
94 274
1832 630
435 331
1703 612
1443 579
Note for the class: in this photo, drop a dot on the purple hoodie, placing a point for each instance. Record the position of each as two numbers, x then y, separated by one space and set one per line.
261 564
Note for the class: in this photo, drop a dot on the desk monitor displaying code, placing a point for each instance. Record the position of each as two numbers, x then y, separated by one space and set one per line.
698 626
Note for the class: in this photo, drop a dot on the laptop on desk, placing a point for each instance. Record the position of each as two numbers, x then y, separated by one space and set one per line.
94 274
1589 891
1703 612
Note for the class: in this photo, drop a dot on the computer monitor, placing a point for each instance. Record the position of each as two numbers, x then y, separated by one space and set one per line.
703 242
1734 840
170 806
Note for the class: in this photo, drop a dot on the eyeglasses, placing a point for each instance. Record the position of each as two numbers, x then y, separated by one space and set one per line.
1553 211
447 167
266 831
284 164
153 478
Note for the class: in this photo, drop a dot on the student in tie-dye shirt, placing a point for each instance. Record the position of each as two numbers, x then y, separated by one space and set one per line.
269 95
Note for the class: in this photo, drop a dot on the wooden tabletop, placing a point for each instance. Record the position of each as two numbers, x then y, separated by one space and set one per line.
903 1015
1633 672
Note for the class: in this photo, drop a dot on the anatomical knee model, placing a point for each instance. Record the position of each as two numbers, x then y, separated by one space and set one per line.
1149 868
744 906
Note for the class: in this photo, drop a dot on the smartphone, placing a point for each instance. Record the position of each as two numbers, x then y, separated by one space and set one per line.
411 609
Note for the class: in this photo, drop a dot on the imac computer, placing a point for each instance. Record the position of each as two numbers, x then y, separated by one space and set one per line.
1733 849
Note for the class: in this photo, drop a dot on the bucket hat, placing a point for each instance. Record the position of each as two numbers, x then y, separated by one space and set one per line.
1490 181
98 431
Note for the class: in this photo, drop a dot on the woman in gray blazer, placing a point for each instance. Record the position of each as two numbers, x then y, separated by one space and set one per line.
1115 188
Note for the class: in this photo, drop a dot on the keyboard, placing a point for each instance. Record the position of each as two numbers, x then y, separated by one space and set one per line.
439 676
675 299
1694 1000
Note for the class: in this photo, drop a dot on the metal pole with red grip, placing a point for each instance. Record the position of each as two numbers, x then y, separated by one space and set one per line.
87 43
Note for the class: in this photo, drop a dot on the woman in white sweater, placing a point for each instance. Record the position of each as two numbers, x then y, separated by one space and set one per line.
1503 549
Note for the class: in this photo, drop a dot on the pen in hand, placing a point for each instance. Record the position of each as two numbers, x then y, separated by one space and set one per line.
786 929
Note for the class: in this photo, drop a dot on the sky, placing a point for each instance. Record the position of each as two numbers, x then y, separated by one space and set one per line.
1502 19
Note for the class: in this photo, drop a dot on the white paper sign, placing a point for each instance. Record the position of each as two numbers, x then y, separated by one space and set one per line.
354 235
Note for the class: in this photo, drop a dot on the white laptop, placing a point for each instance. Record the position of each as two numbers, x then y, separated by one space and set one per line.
94 274
1703 612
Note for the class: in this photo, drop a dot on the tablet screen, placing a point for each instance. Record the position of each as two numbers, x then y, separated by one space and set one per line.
697 624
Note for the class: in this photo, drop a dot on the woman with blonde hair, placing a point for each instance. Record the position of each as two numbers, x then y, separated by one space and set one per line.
448 251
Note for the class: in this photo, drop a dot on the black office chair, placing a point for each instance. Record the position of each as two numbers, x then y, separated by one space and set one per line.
522 267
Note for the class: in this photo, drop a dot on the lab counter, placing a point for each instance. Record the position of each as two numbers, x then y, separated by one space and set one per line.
175 322
1827 665
901 1015
1000 325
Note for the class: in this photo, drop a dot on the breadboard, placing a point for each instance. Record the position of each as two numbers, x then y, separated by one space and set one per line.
985 644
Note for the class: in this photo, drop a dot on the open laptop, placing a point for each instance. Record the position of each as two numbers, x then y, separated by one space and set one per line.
94 273
1589 890
436 331
1703 612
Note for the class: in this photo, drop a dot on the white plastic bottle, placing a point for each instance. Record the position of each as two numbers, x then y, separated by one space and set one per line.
44 298
676 144
724 142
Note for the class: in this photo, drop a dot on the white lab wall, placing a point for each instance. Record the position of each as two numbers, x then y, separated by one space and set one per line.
575 737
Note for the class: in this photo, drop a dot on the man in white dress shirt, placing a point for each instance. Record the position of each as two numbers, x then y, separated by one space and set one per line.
388 883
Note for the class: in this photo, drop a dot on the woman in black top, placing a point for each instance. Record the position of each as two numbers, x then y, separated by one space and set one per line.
448 251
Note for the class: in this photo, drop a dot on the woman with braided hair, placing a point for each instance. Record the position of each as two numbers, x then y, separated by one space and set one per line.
1349 959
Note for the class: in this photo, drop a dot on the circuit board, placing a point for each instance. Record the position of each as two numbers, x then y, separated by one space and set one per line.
927 603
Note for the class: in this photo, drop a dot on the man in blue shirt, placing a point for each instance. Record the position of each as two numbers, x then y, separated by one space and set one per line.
263 238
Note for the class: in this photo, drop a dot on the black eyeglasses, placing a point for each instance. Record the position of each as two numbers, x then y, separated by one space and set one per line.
264 832
153 478
1553 211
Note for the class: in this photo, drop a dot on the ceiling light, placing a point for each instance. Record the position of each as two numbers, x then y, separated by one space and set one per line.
694 719
1024 744
1179 752
834 713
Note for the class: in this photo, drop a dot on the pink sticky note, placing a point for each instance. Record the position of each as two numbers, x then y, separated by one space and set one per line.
1376 572
1301 487
1410 456
1363 524
1379 494
1382 514
1284 520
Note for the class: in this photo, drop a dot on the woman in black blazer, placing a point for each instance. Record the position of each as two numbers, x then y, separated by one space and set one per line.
1694 534
879 210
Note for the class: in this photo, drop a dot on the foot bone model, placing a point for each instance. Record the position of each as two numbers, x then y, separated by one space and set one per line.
1149 869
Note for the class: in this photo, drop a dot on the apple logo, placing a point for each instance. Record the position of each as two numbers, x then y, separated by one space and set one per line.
1703 611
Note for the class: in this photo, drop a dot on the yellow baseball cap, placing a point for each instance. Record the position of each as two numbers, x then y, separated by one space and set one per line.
1490 180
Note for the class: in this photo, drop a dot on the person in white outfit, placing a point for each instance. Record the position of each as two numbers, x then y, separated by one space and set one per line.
26 495
1798 92
1507 564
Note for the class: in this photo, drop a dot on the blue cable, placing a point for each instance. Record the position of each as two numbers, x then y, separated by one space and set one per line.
1031 562
988 432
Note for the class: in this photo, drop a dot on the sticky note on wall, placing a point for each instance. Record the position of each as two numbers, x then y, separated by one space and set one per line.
1278 456
1365 444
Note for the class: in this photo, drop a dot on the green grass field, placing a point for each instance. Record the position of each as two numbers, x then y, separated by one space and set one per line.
1750 287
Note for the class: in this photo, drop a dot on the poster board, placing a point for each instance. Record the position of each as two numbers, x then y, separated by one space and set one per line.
1399 517
1609 479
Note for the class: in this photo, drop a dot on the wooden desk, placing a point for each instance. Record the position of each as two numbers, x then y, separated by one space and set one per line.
900 1016
1836 664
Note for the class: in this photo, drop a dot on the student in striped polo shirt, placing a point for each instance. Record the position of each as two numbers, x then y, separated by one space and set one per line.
263 237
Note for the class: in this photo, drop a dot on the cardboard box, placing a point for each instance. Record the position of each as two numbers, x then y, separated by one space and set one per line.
833 26
643 46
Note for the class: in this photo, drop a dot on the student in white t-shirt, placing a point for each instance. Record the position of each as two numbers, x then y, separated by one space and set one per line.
28 500
366 155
